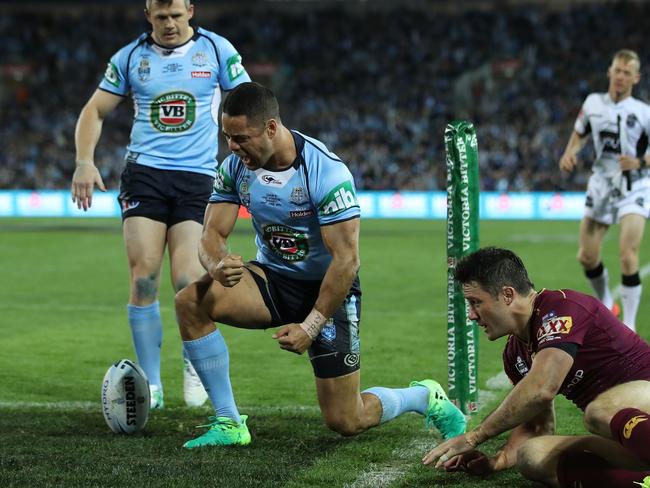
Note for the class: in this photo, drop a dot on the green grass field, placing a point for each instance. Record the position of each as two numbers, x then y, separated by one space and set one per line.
63 298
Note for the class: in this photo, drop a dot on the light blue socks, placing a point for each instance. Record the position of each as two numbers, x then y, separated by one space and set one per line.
146 330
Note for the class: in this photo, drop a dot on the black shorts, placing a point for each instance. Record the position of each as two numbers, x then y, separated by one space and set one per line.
167 196
336 350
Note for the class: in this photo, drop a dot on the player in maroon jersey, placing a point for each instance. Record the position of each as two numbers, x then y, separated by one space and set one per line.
560 341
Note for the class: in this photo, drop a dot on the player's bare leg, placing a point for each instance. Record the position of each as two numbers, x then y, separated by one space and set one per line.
145 239
631 234
591 238
183 243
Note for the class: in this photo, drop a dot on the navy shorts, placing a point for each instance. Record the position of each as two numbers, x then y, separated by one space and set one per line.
167 196
336 350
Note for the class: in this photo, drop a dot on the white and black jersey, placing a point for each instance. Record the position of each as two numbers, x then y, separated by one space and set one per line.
616 128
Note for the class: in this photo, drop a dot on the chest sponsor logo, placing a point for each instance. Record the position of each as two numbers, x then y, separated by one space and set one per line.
553 327
285 242
610 141
201 74
244 193
234 67
270 180
298 214
199 59
272 200
631 120
111 75
144 70
338 200
173 112
577 378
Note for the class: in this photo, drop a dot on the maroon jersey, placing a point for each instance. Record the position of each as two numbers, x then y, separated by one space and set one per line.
605 352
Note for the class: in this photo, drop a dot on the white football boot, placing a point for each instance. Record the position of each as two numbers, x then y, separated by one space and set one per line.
193 391
157 401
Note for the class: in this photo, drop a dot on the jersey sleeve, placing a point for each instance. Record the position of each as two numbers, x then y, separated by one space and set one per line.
334 195
116 79
582 125
512 364
231 69
225 183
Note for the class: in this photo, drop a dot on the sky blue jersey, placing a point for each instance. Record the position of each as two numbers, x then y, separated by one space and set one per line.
176 95
289 207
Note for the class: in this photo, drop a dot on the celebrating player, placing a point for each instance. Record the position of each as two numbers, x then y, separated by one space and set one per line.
560 341
175 74
619 188
304 281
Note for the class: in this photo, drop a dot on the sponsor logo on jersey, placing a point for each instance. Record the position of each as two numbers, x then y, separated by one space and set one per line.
297 214
521 366
299 196
111 75
222 182
631 120
285 242
129 205
173 112
577 378
244 193
199 59
201 74
272 200
270 180
234 67
611 142
553 326
339 199
144 70
172 68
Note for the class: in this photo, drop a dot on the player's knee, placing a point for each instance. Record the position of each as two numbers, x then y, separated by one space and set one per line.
145 289
587 260
344 427
186 307
597 418
532 462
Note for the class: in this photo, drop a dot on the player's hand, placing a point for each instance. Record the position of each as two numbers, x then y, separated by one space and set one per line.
228 271
472 462
292 338
568 162
628 162
447 451
84 179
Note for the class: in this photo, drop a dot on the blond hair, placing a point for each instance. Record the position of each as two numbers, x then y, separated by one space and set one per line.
147 3
627 55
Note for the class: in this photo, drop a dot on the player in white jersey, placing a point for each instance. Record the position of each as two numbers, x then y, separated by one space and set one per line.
304 280
619 188
175 75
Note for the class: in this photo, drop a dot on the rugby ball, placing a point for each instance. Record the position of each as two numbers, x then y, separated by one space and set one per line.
125 397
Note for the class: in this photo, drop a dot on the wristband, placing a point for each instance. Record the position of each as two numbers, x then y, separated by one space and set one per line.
313 324
475 437
642 163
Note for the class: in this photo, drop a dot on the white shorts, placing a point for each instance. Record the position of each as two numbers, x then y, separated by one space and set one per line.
608 199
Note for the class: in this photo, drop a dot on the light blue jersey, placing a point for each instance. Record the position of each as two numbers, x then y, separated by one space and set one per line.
176 95
289 207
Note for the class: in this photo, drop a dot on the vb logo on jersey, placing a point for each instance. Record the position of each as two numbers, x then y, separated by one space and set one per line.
285 242
553 326
173 112
339 199
111 75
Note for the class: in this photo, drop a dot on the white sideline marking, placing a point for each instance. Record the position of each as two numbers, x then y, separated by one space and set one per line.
644 271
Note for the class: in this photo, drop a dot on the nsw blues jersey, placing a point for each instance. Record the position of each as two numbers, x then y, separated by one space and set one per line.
176 96
289 207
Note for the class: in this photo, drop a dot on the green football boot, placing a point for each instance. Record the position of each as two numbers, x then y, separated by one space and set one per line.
157 401
441 413
645 483
223 431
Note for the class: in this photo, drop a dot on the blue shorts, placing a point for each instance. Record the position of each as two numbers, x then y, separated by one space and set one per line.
167 196
336 350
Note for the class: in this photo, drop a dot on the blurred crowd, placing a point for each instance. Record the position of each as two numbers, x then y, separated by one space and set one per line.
377 86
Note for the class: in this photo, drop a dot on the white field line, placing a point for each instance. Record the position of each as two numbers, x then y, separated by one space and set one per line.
643 272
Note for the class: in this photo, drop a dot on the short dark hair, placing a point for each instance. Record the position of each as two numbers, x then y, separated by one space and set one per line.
255 101
493 268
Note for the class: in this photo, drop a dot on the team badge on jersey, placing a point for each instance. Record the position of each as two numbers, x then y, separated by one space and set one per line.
298 196
173 112
244 193
111 75
339 199
521 366
285 242
144 70
631 120
199 59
